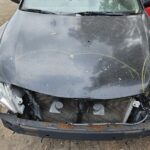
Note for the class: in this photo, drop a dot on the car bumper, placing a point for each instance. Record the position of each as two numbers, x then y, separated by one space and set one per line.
74 132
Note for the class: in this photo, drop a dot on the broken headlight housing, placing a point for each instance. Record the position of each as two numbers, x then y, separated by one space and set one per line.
11 98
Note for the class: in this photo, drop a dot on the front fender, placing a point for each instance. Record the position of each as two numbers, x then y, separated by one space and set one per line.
2 29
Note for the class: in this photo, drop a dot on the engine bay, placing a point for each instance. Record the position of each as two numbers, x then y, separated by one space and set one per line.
40 107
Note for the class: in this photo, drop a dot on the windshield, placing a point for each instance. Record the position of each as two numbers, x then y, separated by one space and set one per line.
74 6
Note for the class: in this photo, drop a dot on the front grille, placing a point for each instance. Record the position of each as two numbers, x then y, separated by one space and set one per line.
114 110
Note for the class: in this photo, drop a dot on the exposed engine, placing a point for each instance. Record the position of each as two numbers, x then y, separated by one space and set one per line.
81 110
35 106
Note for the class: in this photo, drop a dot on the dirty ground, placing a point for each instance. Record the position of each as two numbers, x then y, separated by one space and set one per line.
22 142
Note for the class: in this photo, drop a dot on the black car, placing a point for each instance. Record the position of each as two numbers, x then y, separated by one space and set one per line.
75 69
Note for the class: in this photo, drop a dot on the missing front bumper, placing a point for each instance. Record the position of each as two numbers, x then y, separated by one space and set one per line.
74 132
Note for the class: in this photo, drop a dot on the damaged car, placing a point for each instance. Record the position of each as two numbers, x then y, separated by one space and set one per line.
74 69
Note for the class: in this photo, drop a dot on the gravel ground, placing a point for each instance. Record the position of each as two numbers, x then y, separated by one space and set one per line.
22 142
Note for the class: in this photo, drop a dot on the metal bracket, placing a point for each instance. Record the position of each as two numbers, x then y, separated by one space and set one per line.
56 107
98 109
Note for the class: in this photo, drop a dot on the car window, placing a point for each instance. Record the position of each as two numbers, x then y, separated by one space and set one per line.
73 6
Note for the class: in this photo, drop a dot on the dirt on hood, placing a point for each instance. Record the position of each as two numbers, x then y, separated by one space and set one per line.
8 140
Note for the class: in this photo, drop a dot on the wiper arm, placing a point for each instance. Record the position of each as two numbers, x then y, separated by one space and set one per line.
94 13
86 13
39 11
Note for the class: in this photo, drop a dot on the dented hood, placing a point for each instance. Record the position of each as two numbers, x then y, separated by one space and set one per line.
100 57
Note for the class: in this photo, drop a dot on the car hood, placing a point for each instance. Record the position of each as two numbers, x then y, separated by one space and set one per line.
99 57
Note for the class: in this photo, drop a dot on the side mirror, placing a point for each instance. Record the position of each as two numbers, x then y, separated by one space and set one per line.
16 1
146 3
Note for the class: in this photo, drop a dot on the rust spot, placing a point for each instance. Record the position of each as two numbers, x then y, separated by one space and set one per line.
97 128
65 126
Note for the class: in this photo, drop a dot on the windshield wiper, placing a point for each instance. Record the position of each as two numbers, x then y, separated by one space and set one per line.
93 13
39 11
86 13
